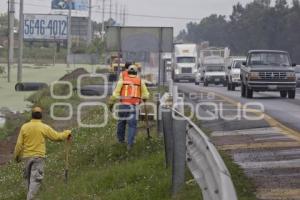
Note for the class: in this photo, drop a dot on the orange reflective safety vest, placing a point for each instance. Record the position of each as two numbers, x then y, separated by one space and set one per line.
131 90
124 73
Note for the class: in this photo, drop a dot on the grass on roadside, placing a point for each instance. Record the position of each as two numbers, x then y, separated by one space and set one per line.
99 168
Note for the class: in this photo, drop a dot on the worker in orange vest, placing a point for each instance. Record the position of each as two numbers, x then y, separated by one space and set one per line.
130 90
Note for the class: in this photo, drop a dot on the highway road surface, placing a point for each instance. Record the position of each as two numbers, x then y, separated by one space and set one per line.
268 149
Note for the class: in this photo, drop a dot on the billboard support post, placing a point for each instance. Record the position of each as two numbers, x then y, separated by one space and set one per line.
21 35
69 33
11 16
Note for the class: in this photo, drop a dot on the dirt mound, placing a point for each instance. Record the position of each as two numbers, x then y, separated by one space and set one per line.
74 74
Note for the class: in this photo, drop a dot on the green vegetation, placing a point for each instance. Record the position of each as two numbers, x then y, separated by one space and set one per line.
244 186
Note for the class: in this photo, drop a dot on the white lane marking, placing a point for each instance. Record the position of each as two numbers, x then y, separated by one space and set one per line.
255 131
271 164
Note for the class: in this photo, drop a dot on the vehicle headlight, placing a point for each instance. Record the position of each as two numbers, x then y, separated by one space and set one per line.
291 75
176 71
194 70
254 75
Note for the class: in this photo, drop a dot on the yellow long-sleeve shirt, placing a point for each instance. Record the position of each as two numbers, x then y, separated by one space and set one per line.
31 139
117 92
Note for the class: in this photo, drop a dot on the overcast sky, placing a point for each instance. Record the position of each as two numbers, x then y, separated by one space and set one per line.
196 9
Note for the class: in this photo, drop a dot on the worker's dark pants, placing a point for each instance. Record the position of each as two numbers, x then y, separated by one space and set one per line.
127 114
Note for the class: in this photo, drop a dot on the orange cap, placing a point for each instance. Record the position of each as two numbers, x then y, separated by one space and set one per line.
37 109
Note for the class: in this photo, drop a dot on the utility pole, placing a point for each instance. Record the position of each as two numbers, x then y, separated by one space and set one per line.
120 14
90 35
124 15
21 37
11 20
116 14
110 9
103 16
69 33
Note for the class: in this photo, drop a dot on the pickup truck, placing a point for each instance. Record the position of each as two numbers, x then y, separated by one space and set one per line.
233 73
268 70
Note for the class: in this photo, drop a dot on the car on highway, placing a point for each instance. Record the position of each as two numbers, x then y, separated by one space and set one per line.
233 73
268 70
297 71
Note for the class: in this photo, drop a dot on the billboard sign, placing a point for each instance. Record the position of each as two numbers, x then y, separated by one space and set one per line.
64 5
45 27
139 39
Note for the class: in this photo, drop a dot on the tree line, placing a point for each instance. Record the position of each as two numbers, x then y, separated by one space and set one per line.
257 25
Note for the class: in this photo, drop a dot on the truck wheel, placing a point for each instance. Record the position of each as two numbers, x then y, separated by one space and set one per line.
205 84
291 94
243 90
197 83
283 94
233 87
229 86
249 93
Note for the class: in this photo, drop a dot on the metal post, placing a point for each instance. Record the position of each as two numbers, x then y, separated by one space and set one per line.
90 35
167 124
69 33
21 36
119 51
179 155
159 81
159 56
11 18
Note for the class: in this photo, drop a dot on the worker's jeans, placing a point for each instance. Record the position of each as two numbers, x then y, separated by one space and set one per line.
33 174
127 114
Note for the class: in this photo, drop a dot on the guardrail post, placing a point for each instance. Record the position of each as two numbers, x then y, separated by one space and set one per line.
179 154
167 124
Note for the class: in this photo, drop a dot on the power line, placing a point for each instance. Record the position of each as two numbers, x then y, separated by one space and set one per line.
131 14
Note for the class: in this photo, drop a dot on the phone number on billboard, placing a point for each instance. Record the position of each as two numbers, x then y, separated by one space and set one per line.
49 28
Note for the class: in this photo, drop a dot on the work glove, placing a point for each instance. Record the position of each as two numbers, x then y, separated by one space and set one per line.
111 103
17 159
69 132
111 106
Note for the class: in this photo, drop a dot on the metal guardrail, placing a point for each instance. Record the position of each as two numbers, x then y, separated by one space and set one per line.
185 143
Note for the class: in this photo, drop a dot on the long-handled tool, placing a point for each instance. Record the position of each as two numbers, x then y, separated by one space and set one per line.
67 152
147 122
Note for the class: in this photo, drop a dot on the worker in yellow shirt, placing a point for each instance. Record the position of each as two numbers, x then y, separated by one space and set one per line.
31 148
130 91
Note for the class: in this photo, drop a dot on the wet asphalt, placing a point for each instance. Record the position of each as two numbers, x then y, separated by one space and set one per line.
269 155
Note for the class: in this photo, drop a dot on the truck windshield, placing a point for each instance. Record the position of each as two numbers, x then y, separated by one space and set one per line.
274 59
186 59
214 68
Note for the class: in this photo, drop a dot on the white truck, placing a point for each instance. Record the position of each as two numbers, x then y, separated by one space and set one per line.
233 73
213 65
185 62
214 70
